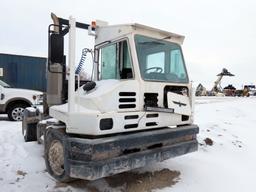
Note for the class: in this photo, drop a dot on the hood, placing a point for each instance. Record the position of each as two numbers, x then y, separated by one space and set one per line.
23 91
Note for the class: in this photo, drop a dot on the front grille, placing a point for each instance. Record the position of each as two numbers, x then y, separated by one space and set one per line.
127 100
150 99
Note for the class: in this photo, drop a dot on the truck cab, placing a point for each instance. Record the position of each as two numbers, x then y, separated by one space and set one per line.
141 83
136 110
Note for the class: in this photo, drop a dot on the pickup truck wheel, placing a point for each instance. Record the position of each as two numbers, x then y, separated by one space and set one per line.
15 112
55 155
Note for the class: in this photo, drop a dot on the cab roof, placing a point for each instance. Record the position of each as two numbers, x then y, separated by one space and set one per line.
166 33
111 31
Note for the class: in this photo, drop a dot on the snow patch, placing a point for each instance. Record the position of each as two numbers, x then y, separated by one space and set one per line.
226 165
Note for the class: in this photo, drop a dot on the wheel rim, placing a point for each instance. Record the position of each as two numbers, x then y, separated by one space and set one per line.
56 157
17 113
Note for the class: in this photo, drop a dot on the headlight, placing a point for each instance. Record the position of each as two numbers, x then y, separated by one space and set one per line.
184 92
38 99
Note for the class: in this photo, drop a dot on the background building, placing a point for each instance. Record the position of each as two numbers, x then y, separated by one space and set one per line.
23 71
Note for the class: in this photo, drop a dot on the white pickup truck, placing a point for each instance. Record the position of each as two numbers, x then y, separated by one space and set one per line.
13 101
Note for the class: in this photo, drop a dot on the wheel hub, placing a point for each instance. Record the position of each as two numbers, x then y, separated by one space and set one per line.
17 113
56 157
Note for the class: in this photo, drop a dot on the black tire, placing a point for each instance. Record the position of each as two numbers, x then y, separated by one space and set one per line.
54 154
29 131
15 111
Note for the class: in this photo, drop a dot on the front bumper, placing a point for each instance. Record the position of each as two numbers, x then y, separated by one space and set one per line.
91 159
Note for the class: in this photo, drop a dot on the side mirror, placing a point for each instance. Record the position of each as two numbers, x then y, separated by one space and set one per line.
56 48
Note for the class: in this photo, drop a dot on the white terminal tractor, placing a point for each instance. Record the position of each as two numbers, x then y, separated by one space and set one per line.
136 109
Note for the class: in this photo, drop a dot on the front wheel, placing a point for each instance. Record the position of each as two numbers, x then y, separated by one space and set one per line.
54 153
16 111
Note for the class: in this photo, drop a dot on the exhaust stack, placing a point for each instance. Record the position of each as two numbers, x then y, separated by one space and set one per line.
56 23
56 67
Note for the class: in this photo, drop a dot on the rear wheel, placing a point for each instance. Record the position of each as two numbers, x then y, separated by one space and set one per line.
15 112
55 155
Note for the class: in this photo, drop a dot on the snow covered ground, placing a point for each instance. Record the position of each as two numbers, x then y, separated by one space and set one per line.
226 165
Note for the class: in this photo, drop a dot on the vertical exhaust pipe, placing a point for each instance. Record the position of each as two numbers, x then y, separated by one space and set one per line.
56 23
56 69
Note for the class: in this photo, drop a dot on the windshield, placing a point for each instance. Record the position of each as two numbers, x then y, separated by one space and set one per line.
3 84
160 60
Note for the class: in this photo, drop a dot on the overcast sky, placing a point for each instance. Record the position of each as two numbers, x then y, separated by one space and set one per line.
219 33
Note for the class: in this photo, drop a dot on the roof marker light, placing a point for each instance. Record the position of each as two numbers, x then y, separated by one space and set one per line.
93 24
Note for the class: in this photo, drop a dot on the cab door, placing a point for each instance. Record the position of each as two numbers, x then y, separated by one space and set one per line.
115 65
115 61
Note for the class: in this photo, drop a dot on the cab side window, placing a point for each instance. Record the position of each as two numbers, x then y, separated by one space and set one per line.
109 65
115 61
